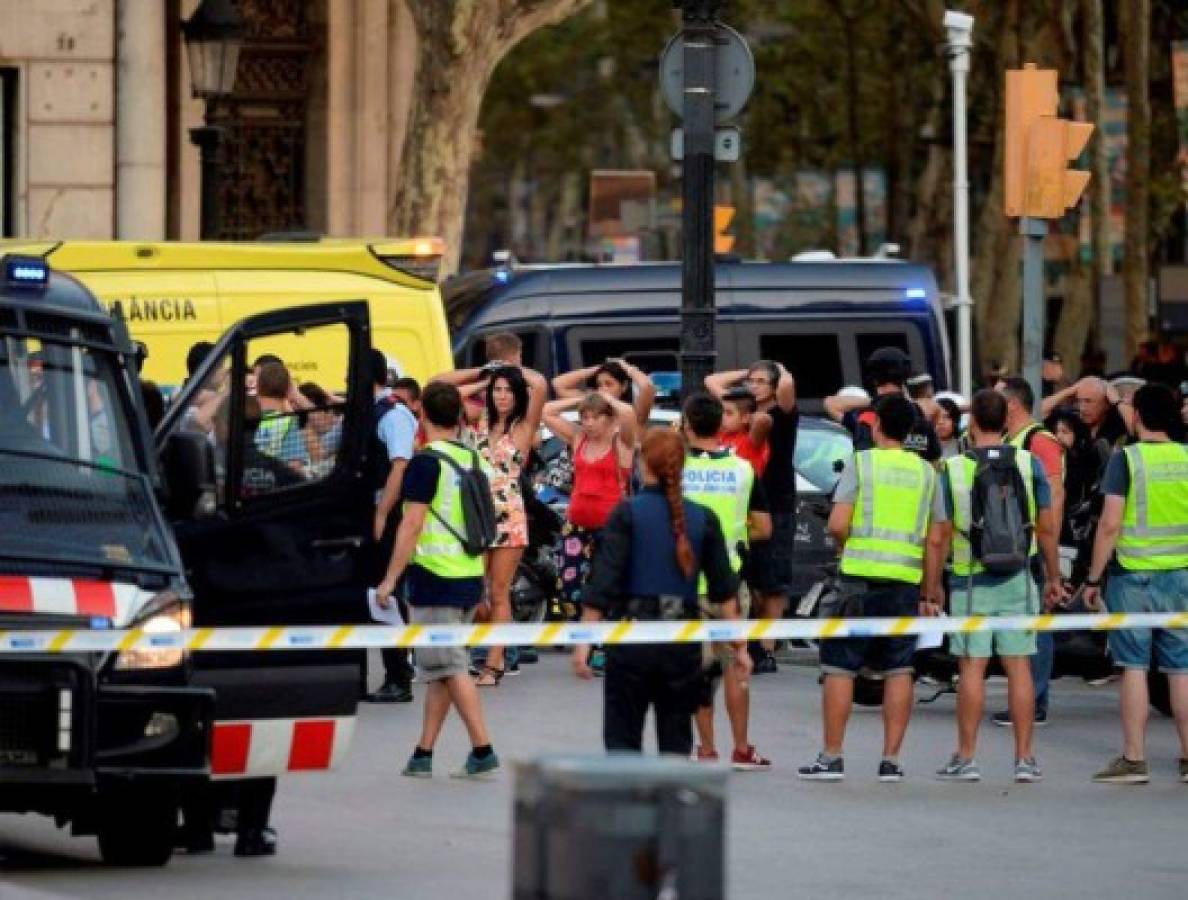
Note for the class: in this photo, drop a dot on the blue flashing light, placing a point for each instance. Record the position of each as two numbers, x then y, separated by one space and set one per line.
503 276
26 272
916 294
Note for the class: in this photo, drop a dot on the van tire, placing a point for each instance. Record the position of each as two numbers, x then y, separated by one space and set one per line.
136 827
1160 692
868 691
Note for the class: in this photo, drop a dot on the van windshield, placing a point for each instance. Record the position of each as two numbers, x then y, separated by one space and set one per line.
70 485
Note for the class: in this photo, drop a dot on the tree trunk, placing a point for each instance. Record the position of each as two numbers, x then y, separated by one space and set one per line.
1099 185
744 209
459 44
849 20
1076 316
1136 19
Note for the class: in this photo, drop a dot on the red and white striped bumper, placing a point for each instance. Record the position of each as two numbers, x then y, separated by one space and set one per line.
71 597
260 747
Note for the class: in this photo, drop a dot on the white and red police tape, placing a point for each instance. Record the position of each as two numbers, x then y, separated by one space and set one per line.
341 637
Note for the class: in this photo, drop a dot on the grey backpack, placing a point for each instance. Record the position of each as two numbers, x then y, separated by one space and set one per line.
478 507
1001 527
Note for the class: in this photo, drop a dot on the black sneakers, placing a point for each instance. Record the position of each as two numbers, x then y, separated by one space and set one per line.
390 692
823 769
890 771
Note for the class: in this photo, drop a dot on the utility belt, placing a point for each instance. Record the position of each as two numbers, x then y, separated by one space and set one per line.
657 608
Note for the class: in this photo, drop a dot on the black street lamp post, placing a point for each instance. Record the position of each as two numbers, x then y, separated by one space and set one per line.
213 37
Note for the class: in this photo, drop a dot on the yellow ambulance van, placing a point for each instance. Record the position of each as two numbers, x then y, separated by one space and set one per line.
174 294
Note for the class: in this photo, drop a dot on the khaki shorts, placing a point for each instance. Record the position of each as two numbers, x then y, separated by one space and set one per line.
440 663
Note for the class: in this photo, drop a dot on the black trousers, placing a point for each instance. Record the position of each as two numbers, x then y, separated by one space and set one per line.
666 678
250 797
398 668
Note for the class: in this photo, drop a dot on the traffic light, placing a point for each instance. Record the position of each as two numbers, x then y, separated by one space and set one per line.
1052 187
1039 147
1030 94
723 216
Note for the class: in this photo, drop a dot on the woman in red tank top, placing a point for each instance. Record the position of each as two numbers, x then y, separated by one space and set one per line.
602 444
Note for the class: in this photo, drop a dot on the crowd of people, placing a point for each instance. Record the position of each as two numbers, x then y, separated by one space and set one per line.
1003 505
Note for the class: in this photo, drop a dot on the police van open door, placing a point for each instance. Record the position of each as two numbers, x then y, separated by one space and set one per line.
283 537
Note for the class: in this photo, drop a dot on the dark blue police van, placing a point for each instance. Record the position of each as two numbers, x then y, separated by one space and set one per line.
820 318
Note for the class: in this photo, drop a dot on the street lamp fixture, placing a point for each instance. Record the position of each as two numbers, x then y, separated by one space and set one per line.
213 36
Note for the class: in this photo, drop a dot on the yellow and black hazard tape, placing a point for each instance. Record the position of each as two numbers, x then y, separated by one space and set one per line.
341 637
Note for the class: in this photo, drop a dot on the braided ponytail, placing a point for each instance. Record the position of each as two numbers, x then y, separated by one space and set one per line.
664 453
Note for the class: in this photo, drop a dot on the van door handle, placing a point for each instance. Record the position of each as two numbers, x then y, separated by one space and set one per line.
344 543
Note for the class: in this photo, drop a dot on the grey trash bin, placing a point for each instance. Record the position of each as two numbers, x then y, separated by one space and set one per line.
622 826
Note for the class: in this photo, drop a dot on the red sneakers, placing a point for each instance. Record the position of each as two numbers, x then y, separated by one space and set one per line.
750 761
701 755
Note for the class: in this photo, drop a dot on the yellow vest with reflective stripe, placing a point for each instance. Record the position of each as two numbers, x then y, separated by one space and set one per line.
437 550
890 518
1155 519
723 485
1019 441
961 476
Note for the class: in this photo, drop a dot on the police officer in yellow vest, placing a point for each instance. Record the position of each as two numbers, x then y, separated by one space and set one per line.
881 513
444 582
1144 526
726 484
978 592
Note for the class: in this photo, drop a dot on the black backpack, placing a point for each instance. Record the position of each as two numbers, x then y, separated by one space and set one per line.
478 508
1000 518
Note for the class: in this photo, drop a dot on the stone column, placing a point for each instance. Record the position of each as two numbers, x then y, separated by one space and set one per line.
140 120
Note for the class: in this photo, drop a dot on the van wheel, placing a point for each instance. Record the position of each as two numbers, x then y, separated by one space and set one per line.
868 691
1160 692
136 827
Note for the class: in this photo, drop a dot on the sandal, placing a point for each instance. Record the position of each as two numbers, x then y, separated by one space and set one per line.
496 676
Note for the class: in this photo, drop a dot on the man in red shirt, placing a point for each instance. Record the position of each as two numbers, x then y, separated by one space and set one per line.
1024 432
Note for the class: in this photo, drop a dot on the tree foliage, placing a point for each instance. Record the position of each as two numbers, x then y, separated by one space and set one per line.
582 95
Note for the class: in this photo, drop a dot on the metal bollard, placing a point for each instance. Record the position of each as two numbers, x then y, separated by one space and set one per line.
624 826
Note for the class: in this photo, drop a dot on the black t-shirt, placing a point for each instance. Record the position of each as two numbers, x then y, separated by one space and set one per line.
779 478
1113 429
921 439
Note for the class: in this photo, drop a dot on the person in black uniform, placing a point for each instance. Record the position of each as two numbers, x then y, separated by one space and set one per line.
887 369
646 567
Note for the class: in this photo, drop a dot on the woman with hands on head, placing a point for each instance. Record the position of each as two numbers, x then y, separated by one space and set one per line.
602 445
514 404
626 386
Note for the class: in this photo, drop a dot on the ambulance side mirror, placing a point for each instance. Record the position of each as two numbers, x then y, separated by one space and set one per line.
187 461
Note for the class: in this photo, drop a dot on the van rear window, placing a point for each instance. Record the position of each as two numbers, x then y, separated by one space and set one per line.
813 359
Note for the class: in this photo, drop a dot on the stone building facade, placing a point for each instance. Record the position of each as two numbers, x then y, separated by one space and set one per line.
95 112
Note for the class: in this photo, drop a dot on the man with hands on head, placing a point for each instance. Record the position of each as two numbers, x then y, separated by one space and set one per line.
769 569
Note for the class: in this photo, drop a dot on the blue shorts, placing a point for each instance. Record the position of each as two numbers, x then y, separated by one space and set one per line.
884 656
1149 592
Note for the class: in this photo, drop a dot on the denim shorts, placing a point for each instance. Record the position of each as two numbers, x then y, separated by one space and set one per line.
1149 592
884 656
994 595
769 566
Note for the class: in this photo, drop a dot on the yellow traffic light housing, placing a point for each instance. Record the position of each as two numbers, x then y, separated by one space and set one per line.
1030 94
723 216
1051 187
1039 147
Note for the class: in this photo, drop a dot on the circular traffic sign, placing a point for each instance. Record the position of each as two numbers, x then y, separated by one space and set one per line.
735 73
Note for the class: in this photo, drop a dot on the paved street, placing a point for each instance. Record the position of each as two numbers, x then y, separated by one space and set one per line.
365 832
